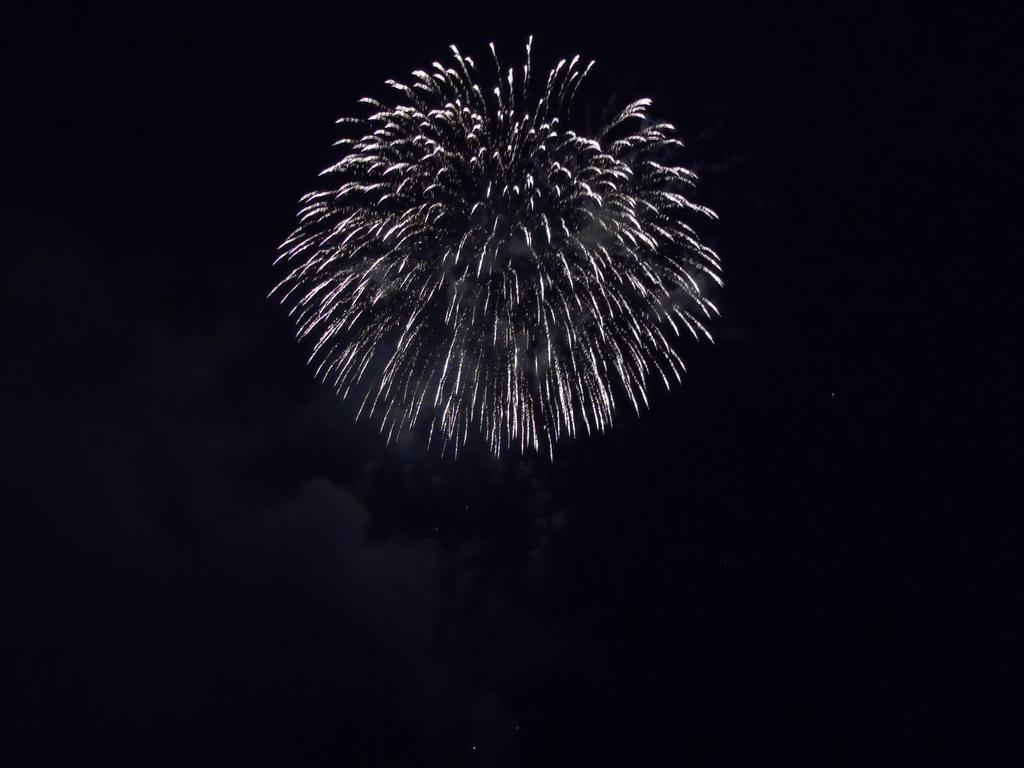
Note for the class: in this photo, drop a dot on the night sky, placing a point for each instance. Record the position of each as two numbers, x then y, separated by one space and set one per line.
799 557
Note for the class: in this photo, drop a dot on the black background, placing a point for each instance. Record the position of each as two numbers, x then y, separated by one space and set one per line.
798 557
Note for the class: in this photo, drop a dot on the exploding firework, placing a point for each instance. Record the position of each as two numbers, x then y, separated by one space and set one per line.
477 265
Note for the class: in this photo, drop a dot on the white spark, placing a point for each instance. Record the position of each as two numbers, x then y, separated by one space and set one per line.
575 256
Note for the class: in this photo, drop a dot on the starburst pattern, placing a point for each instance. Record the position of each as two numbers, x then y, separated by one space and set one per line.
478 266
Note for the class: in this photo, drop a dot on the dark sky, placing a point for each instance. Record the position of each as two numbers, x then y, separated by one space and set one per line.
795 558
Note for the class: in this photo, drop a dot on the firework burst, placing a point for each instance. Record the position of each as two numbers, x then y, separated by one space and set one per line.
476 265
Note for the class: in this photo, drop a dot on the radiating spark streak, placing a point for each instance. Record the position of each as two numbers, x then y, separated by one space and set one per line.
479 266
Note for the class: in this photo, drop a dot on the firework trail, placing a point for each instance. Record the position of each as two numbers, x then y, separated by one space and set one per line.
477 264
